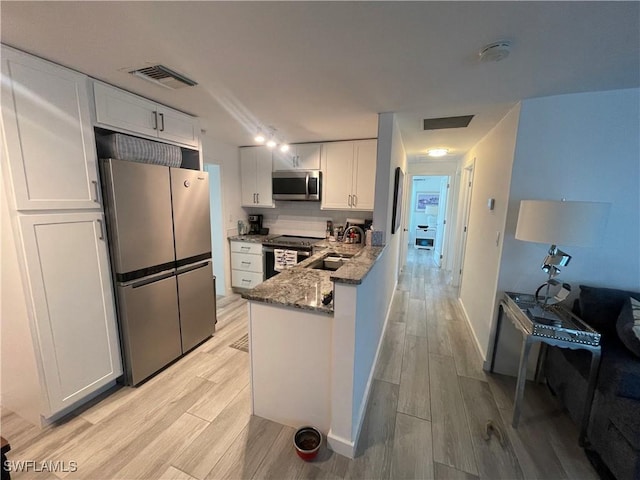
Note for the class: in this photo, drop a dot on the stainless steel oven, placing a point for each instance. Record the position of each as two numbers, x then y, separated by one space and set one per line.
302 245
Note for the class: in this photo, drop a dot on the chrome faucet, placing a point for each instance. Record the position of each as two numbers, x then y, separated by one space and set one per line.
358 229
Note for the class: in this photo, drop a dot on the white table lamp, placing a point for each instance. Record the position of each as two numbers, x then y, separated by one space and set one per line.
578 224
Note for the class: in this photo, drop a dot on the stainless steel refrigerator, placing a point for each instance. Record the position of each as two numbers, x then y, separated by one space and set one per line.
160 244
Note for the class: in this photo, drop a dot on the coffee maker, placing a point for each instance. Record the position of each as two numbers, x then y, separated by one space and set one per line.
255 224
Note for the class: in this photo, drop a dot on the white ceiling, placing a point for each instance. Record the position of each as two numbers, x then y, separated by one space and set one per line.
324 70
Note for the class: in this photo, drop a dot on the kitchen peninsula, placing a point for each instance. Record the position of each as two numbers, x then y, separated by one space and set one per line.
313 363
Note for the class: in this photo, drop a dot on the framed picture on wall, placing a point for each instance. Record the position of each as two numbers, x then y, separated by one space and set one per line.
426 199
397 200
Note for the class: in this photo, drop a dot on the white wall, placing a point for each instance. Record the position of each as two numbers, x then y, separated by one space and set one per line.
228 157
20 390
579 147
391 154
582 146
492 177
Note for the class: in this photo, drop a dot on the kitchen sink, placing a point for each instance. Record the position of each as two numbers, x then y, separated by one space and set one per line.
331 262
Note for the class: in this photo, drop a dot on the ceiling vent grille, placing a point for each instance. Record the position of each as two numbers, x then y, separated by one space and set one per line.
163 76
446 122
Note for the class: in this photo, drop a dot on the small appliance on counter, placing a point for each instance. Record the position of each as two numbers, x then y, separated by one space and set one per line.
255 224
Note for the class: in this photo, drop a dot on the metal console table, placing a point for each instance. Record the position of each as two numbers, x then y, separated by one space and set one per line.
570 332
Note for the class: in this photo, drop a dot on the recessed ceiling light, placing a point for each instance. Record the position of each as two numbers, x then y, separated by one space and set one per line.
284 147
271 143
259 138
437 152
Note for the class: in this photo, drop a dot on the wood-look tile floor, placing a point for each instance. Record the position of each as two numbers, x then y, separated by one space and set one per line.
426 416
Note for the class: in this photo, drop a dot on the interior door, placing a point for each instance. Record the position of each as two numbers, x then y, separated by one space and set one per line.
197 300
191 215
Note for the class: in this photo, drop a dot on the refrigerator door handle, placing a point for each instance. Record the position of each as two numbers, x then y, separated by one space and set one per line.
191 267
150 279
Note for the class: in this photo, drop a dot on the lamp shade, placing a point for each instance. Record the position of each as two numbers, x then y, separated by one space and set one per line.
579 224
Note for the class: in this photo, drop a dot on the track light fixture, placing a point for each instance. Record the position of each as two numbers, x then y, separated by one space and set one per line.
270 139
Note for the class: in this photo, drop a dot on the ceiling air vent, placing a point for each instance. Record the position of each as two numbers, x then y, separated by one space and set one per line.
163 76
446 122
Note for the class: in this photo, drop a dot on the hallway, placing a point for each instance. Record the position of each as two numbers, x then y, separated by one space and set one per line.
429 405
431 400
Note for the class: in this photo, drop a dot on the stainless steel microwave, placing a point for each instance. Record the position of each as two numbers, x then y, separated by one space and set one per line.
300 185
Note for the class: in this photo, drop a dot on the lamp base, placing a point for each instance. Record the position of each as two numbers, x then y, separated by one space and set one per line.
544 316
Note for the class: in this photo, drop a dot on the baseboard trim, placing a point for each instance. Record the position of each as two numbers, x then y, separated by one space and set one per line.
341 445
483 356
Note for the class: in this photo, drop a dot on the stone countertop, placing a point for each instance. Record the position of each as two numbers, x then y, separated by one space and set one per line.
295 287
250 238
303 287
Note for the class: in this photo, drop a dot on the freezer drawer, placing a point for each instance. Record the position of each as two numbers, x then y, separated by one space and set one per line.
191 220
197 297
149 325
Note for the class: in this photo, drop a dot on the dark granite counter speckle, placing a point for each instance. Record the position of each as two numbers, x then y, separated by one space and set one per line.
250 238
303 287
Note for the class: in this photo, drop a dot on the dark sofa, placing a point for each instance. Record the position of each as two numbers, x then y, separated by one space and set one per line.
614 428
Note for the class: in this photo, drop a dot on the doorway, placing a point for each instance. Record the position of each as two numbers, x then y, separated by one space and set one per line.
217 227
428 207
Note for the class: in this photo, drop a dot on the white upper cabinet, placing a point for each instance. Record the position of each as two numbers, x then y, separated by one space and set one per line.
73 306
364 174
48 134
298 157
349 173
125 111
255 177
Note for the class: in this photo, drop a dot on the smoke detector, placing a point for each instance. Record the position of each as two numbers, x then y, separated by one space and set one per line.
163 76
496 51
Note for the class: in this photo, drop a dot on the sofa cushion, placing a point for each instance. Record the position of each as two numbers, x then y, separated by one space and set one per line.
600 307
628 325
618 376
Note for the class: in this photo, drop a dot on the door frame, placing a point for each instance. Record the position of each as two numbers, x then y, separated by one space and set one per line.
466 183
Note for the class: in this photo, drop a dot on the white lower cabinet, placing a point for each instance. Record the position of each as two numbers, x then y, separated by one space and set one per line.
246 264
73 317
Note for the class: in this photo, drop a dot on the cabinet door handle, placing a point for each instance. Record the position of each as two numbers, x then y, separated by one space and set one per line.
245 248
244 262
349 201
355 200
101 237
162 122
95 189
155 120
258 197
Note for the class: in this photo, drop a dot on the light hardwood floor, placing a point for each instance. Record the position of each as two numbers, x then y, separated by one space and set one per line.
426 416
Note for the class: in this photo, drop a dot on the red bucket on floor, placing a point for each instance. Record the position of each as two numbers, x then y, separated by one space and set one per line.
307 441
